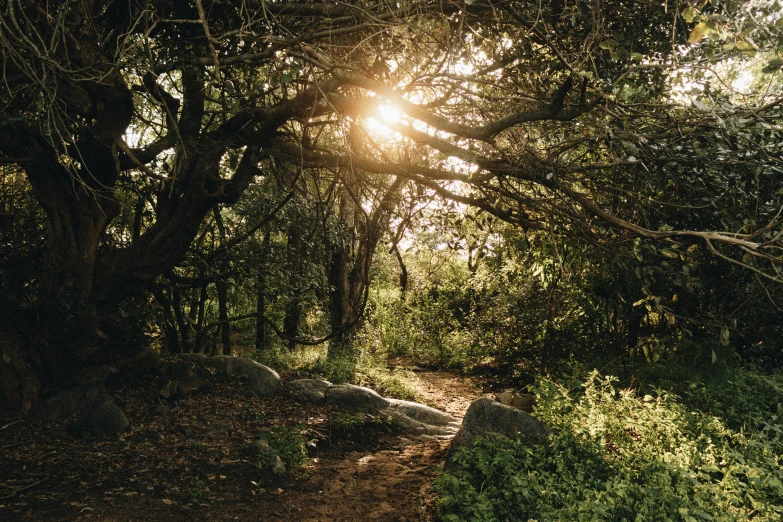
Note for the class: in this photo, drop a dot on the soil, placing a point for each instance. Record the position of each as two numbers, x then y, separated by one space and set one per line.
188 460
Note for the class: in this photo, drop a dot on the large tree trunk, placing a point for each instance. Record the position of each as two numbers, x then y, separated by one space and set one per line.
70 155
62 330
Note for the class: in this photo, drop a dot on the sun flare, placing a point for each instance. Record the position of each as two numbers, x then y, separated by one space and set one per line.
378 124
388 113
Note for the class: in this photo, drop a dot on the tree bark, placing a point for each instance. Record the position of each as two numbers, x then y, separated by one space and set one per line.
169 323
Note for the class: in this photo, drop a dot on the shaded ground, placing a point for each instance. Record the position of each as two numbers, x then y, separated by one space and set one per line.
190 462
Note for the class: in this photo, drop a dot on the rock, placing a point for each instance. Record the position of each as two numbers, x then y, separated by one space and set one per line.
103 418
170 390
193 357
261 380
70 402
189 380
221 363
420 412
308 390
86 388
267 456
355 398
492 420
145 366
516 400
312 449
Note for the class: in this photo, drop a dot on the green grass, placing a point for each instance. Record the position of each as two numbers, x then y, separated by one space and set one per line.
618 455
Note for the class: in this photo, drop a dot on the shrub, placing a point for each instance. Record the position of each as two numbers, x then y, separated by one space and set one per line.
288 443
618 456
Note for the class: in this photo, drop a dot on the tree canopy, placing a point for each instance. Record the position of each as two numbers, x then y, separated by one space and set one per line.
133 125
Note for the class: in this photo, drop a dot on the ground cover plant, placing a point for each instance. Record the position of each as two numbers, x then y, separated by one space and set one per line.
617 454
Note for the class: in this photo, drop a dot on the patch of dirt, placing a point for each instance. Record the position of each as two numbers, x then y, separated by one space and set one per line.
187 460
446 390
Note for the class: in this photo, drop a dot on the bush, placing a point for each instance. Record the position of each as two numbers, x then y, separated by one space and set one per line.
618 456
288 443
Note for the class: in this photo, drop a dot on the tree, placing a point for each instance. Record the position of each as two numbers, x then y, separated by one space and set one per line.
557 117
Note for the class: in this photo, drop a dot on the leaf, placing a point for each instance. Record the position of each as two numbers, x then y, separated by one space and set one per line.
689 14
701 30
609 44
286 78
671 254
167 502
714 357
772 66
724 335
746 47
638 255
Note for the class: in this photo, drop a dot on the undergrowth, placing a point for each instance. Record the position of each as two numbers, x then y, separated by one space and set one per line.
288 443
369 370
618 455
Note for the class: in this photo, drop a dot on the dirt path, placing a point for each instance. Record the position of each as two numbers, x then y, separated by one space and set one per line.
391 484
448 391
188 464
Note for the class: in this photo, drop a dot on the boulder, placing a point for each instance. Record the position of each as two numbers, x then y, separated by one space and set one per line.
144 366
74 397
70 402
421 429
308 390
189 379
222 364
355 398
261 380
524 402
103 418
420 412
193 357
492 420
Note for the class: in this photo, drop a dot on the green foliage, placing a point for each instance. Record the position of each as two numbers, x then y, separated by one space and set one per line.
291 363
354 426
338 368
289 444
348 422
615 455
195 493
398 382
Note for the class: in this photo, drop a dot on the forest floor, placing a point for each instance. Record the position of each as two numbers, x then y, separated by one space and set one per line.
190 462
